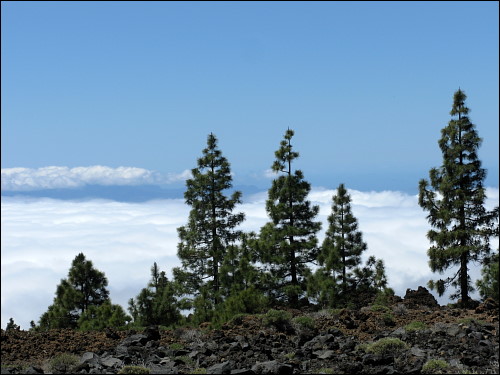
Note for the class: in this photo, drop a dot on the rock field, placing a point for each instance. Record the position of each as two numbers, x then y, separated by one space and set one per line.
338 342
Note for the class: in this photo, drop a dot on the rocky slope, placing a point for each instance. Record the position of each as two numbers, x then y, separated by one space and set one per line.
338 341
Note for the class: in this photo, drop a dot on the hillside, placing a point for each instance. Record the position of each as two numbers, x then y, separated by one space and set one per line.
286 342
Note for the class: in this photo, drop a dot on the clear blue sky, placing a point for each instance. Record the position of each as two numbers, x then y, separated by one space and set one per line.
367 86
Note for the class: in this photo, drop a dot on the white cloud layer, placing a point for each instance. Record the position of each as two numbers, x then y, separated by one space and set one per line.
40 238
25 179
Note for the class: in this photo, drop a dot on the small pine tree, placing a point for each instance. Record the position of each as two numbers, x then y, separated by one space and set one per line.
372 276
343 243
11 325
96 318
488 285
288 243
84 287
156 304
211 227
455 203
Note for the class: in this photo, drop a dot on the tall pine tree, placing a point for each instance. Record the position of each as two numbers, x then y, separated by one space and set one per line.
211 226
455 202
289 242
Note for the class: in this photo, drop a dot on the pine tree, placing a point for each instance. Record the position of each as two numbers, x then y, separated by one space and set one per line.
156 304
84 287
289 242
455 202
343 244
11 325
97 318
211 226
372 276
488 285
238 270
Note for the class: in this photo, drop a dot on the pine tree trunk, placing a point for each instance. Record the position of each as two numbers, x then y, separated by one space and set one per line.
343 254
214 240
293 267
463 257
463 279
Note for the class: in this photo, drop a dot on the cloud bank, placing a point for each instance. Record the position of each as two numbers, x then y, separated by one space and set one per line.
40 238
26 179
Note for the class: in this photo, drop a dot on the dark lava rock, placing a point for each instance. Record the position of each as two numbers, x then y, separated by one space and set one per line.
419 297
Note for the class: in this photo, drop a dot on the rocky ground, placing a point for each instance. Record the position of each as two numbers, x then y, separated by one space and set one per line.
338 341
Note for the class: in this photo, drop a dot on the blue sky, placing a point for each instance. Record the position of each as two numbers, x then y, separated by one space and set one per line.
107 105
367 86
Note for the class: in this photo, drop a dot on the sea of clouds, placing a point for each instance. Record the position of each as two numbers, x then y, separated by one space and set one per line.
56 177
40 238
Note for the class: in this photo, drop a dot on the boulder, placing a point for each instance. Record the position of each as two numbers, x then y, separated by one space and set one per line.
419 297
272 367
135 340
220 368
152 333
488 305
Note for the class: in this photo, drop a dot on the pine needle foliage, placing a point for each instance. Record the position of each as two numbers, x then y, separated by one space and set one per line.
211 227
85 287
289 241
343 243
454 199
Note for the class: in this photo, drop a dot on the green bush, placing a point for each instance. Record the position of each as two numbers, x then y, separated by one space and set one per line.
415 326
96 318
469 321
434 366
134 370
63 363
176 346
388 319
290 356
188 361
383 297
245 302
386 345
380 308
325 370
304 322
277 318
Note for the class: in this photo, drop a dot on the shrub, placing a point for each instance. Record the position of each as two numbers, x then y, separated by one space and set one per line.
134 370
304 322
191 335
434 366
386 345
188 361
277 318
380 308
382 298
400 309
335 312
237 319
469 321
290 356
325 370
96 318
176 346
415 326
63 363
388 319
248 301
